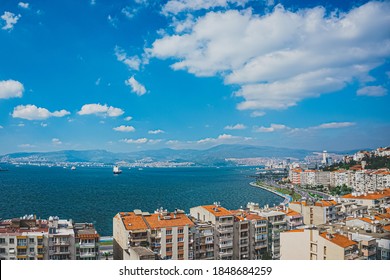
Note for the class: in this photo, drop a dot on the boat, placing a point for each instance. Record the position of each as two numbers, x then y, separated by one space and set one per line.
73 168
116 170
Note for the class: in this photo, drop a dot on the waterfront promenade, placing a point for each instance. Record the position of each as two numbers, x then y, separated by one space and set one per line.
287 198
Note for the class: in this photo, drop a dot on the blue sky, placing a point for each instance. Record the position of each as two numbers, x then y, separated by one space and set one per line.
141 74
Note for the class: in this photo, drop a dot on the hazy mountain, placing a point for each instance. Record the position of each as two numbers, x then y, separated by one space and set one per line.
212 156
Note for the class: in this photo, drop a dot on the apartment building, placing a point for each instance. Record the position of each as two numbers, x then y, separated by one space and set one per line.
28 238
371 200
258 236
223 222
293 218
167 235
61 239
204 241
23 239
308 178
277 223
321 212
87 242
295 176
241 238
339 178
311 244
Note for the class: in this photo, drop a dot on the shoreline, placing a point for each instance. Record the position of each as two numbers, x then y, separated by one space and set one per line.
287 199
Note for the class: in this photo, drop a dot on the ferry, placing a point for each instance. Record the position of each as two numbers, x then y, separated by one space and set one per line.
116 170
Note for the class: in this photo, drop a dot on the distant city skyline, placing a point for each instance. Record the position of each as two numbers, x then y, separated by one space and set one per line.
141 74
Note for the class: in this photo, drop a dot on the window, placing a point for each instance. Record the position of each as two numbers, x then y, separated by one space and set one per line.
2 240
11 241
324 250
169 249
31 240
180 230
180 239
180 248
2 250
169 240
31 250
169 232
180 256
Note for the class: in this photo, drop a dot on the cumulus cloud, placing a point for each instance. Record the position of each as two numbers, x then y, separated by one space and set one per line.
157 131
334 125
124 128
178 6
26 146
56 141
283 56
128 119
100 110
23 5
133 62
235 127
32 112
11 88
223 138
256 114
135 141
10 20
136 87
372 91
272 128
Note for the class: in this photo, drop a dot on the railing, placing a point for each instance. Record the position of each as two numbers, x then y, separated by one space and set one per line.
226 253
206 233
88 245
225 229
88 255
225 245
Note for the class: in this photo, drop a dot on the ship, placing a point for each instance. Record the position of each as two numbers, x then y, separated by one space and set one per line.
116 170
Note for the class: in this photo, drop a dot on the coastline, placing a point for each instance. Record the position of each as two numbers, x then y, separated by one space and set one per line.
287 198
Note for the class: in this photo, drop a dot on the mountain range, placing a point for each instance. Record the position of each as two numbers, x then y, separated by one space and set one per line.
212 156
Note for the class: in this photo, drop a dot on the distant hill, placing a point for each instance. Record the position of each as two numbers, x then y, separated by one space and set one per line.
212 156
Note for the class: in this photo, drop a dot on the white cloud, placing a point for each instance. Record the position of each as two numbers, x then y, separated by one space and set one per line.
100 110
283 57
56 141
92 2
235 127
157 131
24 5
26 146
135 141
1 127
21 125
372 91
272 128
256 114
98 81
136 87
10 20
154 141
124 128
11 88
178 6
128 119
32 112
113 21
129 12
334 125
223 138
133 62
44 124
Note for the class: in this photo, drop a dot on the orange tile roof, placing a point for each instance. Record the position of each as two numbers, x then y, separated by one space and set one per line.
180 220
220 210
87 236
386 228
132 221
370 196
291 213
241 215
254 217
299 202
295 230
356 167
325 203
339 240
367 220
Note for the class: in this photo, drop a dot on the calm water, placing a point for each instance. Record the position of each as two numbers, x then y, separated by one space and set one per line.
96 194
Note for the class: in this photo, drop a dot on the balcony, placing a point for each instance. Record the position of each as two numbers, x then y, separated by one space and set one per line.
87 255
225 253
225 238
260 225
226 245
59 243
206 233
225 229
155 244
88 245
244 243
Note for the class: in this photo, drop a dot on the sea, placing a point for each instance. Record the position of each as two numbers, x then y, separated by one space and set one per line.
96 194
